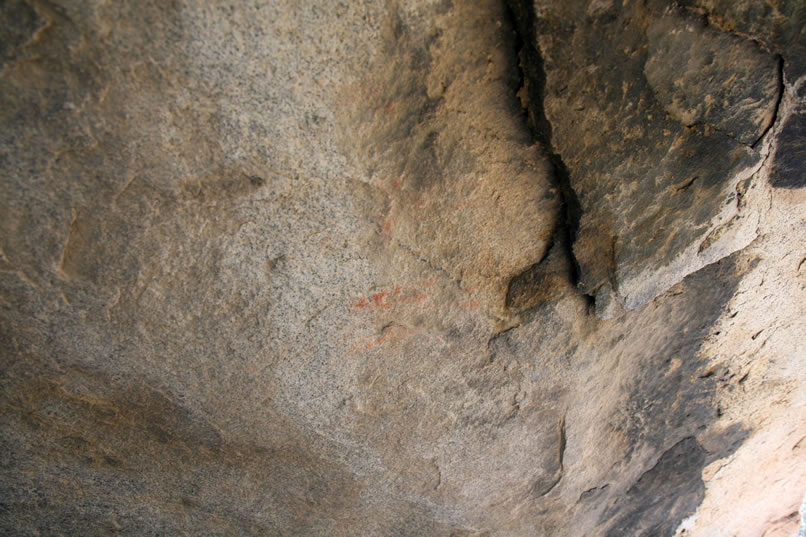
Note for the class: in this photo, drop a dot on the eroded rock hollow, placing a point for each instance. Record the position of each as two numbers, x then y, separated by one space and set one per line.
402 268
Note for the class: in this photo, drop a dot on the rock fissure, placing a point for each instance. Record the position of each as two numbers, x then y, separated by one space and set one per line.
531 93
433 266
779 98
715 22
560 456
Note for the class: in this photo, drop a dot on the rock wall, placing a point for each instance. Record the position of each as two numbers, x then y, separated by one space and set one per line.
425 268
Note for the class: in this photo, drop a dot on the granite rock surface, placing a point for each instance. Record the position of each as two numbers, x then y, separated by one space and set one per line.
438 267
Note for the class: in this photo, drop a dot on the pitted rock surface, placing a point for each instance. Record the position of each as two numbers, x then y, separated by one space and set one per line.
438 267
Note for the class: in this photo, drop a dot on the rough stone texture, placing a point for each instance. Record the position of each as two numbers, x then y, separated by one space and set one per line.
778 26
440 136
305 268
790 156
702 76
653 113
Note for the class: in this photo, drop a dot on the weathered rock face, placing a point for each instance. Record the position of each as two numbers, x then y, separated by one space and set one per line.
440 136
658 118
325 268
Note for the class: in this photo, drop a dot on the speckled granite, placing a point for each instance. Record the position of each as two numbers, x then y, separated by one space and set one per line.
341 268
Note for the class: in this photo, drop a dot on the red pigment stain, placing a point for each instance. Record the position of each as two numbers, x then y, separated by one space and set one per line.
378 298
385 223
472 305
391 298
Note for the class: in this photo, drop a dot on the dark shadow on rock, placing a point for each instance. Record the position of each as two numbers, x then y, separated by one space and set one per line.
656 502
788 168
20 23
676 405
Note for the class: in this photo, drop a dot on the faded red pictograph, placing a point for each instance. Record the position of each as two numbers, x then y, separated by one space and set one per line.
390 299
391 302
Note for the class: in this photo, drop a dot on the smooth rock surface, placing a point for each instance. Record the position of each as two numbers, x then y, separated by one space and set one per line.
342 268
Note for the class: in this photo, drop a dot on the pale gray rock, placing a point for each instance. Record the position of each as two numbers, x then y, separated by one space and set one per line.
320 269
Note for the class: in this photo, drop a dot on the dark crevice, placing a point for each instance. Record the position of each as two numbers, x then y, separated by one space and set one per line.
561 455
532 94
778 100
521 288
499 334
592 492
685 186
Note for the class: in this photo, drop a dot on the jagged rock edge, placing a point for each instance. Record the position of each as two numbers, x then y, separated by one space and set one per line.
530 66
